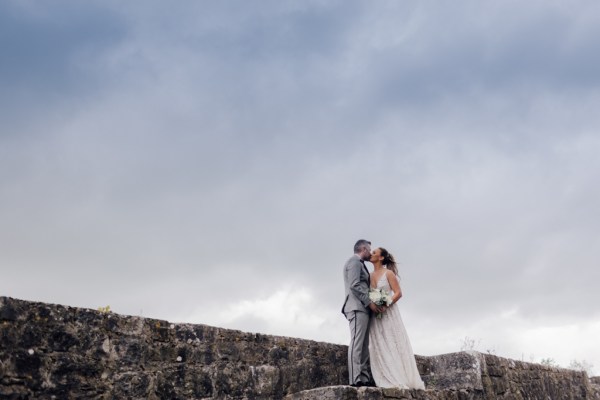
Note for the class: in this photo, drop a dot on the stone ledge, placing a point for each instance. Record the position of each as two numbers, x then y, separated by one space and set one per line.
351 393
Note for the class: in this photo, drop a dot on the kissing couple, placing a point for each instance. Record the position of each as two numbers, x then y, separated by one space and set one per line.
379 353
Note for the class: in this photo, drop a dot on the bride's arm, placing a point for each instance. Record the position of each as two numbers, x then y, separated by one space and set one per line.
394 285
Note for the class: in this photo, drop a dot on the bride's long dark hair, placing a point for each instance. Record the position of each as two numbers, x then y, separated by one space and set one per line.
389 261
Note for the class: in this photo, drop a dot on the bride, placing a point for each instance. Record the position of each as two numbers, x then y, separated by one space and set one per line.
392 360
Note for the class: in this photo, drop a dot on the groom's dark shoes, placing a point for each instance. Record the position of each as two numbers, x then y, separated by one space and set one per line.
361 384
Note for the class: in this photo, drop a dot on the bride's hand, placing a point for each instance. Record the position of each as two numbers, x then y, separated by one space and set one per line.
376 309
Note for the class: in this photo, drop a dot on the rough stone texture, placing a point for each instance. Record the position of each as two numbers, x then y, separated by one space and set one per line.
485 376
453 371
504 378
595 382
350 393
63 352
52 351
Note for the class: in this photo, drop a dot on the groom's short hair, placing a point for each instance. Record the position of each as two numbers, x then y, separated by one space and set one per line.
360 244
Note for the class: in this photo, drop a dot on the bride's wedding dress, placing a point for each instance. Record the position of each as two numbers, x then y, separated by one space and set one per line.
392 360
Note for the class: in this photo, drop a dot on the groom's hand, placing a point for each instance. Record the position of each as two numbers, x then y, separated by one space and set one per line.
376 309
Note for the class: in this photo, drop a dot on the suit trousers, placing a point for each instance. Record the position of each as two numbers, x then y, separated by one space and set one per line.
358 350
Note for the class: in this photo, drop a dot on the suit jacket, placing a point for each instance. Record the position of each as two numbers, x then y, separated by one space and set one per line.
356 283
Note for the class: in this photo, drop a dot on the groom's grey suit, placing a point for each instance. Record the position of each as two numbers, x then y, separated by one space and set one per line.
357 312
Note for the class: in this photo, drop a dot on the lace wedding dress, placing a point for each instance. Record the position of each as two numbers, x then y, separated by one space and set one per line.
392 360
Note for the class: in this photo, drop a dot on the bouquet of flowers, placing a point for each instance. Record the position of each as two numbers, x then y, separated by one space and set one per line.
380 297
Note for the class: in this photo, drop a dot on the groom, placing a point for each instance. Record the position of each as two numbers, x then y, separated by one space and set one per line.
357 308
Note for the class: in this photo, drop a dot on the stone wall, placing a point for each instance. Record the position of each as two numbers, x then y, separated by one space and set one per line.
486 376
52 351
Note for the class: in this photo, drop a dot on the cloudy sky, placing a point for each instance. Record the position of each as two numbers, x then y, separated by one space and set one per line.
214 162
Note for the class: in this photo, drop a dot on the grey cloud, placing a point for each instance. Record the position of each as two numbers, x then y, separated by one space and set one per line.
452 53
42 45
48 57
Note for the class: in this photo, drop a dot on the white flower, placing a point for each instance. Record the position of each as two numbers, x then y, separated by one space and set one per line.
375 295
380 297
